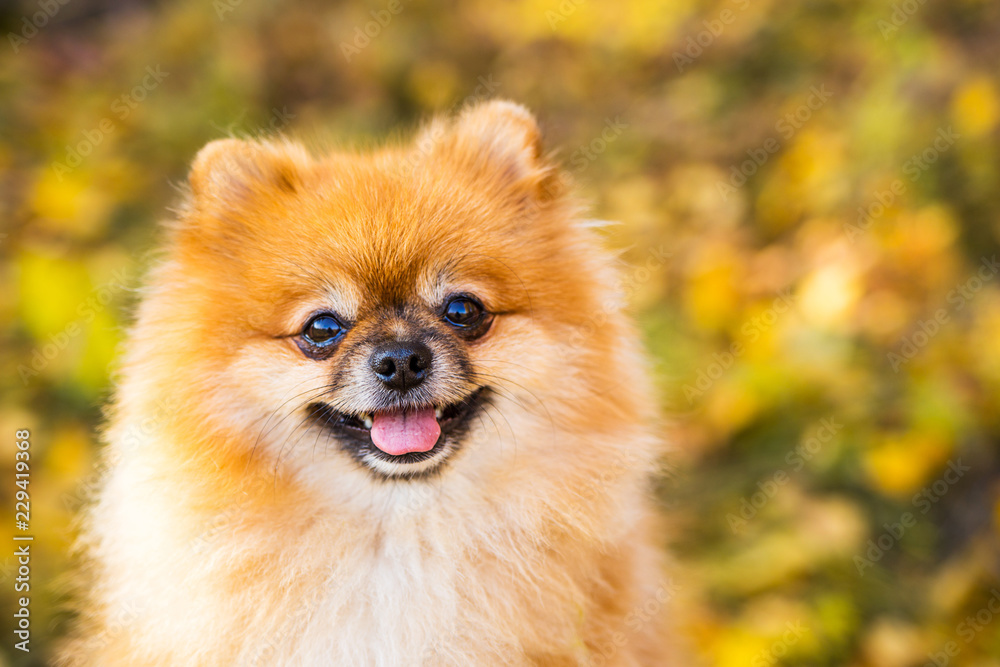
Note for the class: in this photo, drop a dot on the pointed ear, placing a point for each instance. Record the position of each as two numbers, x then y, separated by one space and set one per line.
230 170
499 141
234 183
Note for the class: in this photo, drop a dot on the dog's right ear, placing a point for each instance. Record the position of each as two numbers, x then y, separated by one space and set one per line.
496 143
232 170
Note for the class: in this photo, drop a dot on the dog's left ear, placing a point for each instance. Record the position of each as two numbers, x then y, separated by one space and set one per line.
497 141
233 184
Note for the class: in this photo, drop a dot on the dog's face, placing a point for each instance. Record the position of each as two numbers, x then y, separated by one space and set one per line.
394 311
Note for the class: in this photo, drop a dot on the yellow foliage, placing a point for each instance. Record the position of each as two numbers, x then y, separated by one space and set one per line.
975 106
51 290
102 338
893 643
900 463
737 648
863 211
68 455
433 84
69 202
712 296
730 406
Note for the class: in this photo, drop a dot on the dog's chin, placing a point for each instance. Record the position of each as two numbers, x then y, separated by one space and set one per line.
352 433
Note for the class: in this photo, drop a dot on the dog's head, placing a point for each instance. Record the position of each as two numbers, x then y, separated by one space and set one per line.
405 312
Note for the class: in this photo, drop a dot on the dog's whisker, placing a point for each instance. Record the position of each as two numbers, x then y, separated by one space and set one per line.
497 384
261 433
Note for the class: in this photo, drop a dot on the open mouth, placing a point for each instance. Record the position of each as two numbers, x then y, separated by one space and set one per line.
401 443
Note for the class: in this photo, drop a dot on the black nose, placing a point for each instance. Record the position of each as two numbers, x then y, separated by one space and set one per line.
401 365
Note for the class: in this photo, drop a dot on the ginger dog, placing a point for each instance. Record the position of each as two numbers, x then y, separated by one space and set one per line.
379 409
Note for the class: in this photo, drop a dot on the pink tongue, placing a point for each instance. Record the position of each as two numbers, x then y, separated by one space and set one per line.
405 432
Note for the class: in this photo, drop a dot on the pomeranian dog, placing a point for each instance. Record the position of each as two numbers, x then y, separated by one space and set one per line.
379 409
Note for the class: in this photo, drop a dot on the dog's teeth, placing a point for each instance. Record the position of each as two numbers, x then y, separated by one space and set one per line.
438 413
366 420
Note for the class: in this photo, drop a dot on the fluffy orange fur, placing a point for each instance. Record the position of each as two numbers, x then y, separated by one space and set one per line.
230 531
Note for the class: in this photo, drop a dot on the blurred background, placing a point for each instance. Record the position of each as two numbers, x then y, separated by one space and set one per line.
810 226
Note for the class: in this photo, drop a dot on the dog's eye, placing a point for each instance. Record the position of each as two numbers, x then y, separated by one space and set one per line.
463 312
322 330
